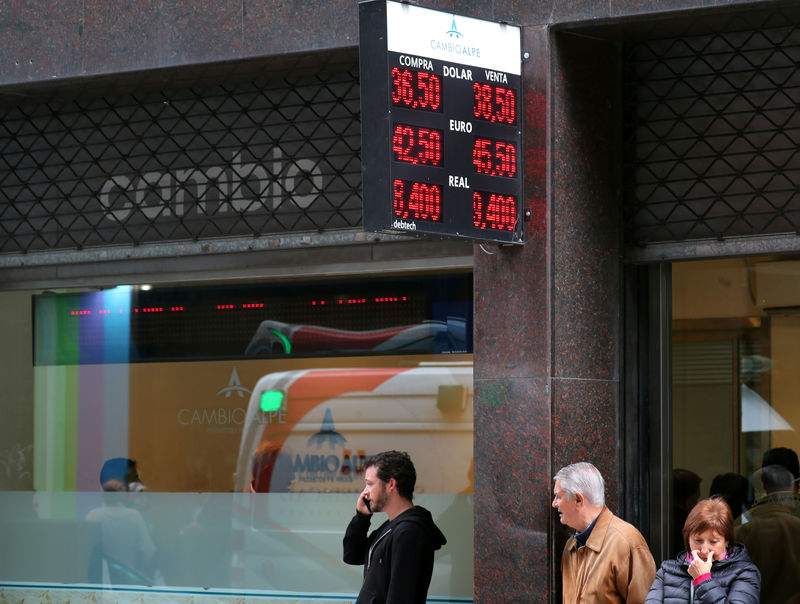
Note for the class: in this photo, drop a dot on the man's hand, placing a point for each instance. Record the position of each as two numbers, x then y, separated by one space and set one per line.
699 566
362 505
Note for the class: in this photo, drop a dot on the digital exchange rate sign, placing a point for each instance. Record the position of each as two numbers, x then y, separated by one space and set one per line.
441 113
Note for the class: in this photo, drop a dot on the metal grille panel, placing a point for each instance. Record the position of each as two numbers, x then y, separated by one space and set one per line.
712 135
200 161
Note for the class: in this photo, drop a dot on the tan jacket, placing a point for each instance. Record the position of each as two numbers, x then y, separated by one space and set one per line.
615 565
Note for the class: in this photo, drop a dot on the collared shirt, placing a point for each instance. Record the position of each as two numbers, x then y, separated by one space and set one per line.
582 537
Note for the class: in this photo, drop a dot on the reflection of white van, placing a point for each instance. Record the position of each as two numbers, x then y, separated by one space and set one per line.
316 427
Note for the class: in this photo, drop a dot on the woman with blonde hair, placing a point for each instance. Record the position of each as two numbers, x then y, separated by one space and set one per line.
713 569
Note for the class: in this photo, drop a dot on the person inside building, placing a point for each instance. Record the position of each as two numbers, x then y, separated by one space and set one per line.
734 489
606 559
785 495
771 532
685 494
124 470
398 555
712 568
126 552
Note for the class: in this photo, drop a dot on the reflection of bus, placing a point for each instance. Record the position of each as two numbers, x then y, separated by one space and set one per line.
321 424
276 337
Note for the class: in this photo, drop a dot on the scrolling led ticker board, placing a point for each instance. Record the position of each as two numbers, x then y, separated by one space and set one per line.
441 123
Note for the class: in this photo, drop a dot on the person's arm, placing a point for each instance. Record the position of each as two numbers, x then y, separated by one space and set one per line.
744 589
656 593
410 557
355 542
641 574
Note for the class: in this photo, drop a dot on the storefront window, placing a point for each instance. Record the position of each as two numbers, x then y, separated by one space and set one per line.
213 436
736 406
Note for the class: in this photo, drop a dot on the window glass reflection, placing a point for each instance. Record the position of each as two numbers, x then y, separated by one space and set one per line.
213 437
735 408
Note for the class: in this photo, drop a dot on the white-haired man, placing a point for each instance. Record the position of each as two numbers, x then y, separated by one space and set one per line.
606 559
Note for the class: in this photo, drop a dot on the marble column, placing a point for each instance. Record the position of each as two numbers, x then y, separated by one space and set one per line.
548 320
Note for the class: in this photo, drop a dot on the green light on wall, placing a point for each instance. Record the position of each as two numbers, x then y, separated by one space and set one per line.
271 400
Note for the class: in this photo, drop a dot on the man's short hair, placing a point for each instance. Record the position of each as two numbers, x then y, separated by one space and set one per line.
782 456
397 465
733 488
776 477
583 478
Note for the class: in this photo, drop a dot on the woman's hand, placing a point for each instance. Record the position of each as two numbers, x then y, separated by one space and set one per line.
699 566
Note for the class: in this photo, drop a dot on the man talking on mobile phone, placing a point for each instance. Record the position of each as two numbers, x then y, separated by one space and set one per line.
398 555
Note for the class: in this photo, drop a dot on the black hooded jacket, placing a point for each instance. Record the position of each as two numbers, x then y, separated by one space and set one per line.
735 579
397 557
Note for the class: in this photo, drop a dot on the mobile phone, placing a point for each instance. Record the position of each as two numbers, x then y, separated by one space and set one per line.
366 503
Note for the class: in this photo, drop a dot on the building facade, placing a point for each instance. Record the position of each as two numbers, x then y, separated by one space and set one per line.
181 242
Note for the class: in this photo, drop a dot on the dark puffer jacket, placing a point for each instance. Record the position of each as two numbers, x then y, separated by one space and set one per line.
735 579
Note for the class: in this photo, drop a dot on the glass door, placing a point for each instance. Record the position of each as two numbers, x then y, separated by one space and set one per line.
735 412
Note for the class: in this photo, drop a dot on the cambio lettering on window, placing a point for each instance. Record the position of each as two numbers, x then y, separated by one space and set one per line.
223 416
231 183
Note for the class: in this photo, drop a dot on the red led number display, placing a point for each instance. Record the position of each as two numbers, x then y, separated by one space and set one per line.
417 200
494 211
417 145
494 103
416 89
494 157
